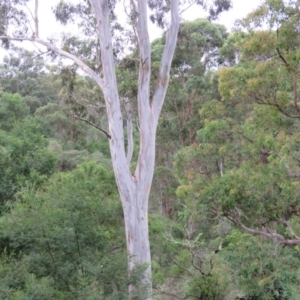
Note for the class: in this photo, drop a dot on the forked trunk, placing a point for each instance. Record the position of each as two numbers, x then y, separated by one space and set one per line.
134 191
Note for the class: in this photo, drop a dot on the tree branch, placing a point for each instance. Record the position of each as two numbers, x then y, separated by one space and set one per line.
92 124
101 10
284 60
271 235
166 61
295 82
183 268
187 7
113 107
61 52
145 65
262 102
288 225
244 136
171 295
31 14
193 262
40 54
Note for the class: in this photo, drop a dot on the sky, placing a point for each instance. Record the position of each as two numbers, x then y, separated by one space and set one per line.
49 26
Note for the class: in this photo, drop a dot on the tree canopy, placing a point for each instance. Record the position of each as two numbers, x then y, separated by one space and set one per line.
223 210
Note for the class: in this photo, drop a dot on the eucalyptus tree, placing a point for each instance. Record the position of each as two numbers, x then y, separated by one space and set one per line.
94 54
246 167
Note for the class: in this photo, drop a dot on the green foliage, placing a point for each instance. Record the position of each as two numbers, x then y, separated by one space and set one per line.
25 73
71 237
12 109
198 44
162 249
205 287
24 159
241 164
55 122
244 164
191 83
73 141
263 270
234 134
18 284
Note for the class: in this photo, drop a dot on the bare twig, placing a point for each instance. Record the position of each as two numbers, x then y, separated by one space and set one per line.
34 18
30 12
186 8
283 111
193 262
246 137
284 60
170 294
183 268
129 15
270 234
40 54
288 225
295 82
92 124
59 51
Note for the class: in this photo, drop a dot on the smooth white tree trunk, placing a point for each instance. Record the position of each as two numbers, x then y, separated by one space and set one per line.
137 240
134 189
134 196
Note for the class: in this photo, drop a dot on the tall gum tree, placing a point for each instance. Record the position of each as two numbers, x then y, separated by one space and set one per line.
134 188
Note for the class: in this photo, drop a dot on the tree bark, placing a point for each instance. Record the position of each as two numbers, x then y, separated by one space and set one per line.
134 189
137 240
